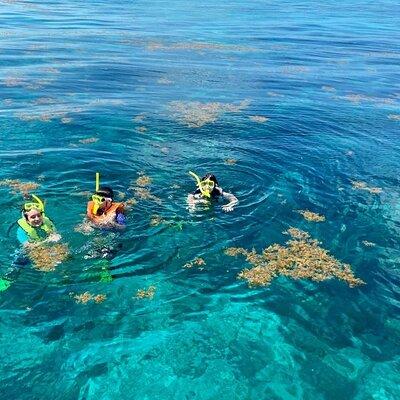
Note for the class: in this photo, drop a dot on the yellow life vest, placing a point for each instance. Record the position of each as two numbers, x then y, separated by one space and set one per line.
47 227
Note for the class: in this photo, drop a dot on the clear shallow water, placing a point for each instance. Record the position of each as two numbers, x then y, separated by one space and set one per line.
326 76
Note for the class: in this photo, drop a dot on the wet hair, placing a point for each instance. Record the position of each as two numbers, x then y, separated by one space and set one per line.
105 191
211 177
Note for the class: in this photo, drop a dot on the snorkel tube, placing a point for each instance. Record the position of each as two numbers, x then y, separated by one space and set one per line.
203 191
39 203
96 203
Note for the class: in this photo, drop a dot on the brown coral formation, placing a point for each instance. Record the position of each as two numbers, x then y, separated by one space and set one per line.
146 293
300 258
359 185
311 216
46 257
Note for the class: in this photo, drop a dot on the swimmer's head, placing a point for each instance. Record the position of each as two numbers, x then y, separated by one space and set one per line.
33 211
207 184
105 191
34 217
102 198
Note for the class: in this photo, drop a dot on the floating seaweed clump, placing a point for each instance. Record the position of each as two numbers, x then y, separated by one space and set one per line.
156 220
311 216
197 262
196 46
164 81
46 257
258 118
141 129
143 180
366 243
139 118
146 293
84 298
89 140
328 89
194 114
363 186
85 227
142 193
130 202
17 186
300 258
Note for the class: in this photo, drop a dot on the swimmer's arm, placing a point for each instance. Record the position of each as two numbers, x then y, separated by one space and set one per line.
232 201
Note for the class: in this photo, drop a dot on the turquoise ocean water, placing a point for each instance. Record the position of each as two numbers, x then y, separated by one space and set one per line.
304 96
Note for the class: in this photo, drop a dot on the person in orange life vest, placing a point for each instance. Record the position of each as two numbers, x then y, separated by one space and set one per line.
103 211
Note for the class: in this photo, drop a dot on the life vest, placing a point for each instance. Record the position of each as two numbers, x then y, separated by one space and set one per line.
47 227
113 209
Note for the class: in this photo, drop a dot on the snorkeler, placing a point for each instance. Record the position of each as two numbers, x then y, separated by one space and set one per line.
34 226
102 211
208 189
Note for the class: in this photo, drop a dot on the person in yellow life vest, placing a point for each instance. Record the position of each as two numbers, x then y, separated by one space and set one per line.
34 226
103 211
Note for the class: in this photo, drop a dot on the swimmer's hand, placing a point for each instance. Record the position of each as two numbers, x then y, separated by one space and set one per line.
228 207
232 202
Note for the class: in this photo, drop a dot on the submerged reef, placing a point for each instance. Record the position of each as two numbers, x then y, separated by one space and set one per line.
300 258
45 257
311 216
195 114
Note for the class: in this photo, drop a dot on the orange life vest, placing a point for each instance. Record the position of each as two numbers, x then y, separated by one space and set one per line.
113 209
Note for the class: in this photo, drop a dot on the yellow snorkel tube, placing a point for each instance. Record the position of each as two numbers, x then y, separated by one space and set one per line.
205 192
95 198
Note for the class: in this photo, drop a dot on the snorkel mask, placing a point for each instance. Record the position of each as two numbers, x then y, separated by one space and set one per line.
37 205
206 186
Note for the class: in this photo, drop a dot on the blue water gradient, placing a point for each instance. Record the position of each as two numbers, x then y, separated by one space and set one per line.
325 75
